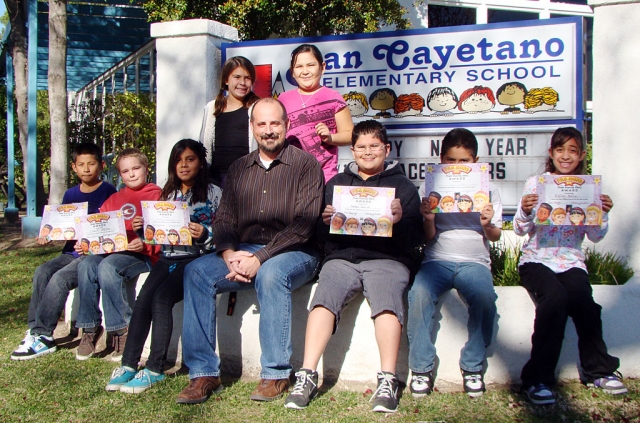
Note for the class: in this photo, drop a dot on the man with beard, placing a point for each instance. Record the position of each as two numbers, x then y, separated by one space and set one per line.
268 212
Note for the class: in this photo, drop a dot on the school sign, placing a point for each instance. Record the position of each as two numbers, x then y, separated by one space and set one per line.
511 83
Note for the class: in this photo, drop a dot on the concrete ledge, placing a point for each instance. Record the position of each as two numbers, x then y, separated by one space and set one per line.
194 27
351 357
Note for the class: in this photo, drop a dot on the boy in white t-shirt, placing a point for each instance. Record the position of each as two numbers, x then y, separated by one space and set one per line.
456 256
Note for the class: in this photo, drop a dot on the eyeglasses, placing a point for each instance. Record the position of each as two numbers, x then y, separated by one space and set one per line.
373 148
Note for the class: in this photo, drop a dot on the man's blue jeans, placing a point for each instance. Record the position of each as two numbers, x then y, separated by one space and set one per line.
474 284
109 273
277 277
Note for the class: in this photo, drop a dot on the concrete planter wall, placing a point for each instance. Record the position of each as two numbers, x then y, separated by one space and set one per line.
352 359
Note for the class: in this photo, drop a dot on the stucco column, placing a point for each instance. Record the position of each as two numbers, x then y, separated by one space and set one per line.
616 125
188 75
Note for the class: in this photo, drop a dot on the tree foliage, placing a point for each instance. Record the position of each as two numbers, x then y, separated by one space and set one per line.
125 120
261 19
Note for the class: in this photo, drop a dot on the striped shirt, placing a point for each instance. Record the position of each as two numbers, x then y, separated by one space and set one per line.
277 207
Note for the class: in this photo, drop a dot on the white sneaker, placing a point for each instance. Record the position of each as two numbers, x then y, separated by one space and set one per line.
26 342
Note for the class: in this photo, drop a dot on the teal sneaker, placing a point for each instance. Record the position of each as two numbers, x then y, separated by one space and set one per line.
143 381
119 377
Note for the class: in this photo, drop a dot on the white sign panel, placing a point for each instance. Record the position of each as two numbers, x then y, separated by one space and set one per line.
511 83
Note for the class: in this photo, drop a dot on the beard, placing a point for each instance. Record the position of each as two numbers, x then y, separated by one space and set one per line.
276 146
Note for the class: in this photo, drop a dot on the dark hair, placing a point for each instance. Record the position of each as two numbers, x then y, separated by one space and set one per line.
441 91
367 127
86 148
459 137
271 100
229 66
306 48
200 187
369 221
435 195
504 86
340 216
546 206
466 198
576 210
559 138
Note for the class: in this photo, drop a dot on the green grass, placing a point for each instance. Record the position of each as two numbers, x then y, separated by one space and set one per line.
58 388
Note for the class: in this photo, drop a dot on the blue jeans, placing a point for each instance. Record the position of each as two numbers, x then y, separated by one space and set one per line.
109 273
474 284
277 277
52 282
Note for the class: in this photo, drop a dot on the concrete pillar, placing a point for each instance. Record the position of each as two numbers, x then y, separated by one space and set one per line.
188 72
616 127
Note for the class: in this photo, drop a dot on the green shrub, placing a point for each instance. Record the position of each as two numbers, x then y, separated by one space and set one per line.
504 264
606 268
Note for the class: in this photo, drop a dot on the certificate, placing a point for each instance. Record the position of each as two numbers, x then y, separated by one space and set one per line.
102 233
569 200
166 222
457 188
362 211
59 221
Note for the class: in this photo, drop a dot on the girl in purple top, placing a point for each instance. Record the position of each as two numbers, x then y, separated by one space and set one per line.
319 117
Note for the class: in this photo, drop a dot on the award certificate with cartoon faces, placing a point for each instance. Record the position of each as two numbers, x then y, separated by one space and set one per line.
457 188
569 200
102 233
166 222
59 221
362 211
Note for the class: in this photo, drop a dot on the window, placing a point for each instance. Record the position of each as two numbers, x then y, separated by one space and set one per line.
451 16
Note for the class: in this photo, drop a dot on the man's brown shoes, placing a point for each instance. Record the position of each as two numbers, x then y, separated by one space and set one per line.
270 389
199 390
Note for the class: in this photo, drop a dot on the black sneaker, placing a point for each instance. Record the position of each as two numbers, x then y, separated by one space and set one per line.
305 389
421 384
473 383
385 398
41 345
540 394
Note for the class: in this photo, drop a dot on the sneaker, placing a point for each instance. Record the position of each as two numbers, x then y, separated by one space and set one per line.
41 345
385 398
26 342
305 389
540 394
611 384
421 384
144 380
87 347
119 377
118 342
473 383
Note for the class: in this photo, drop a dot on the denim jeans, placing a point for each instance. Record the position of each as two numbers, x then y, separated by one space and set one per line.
474 284
277 277
109 273
52 282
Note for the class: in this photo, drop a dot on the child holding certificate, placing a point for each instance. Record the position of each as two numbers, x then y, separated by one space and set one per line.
53 280
552 269
108 273
456 256
163 288
380 267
